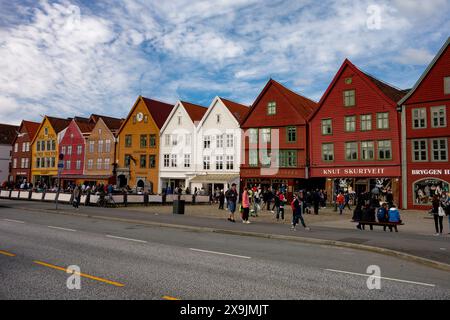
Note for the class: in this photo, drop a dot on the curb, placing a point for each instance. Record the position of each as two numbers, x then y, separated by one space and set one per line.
335 243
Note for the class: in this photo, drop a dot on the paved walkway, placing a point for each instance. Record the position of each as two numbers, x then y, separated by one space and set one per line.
414 238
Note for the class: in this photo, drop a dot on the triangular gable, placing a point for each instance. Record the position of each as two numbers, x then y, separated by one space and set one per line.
61 127
194 115
372 82
425 73
224 103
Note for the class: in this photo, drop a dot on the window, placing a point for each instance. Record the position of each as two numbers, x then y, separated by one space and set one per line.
108 146
63 150
384 150
152 143
367 150
38 146
14 163
22 163
420 150
28 147
253 158
152 161
219 162
327 152
99 164
16 147
187 160
265 135
218 118
206 163
68 165
78 164
438 117
383 120
366 122
107 164
167 140
43 145
173 160
206 142
179 120
90 164
265 157
230 141
253 136
145 118
46 131
288 158
69 150
291 134
219 141
230 162
143 161
327 127
271 108
166 161
351 151
143 141
52 162
423 190
100 132
439 149
419 118
91 146
128 141
38 162
188 139
49 145
53 145
100 146
79 150
174 139
447 85
349 98
24 147
350 123
127 160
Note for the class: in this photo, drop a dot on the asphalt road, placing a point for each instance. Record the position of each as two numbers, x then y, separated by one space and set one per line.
131 261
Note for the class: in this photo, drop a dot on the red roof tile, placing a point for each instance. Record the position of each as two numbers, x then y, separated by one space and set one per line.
7 133
391 92
112 123
59 124
195 111
158 110
239 111
85 125
31 127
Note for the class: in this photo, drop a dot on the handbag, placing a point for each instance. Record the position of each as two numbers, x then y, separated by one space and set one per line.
441 212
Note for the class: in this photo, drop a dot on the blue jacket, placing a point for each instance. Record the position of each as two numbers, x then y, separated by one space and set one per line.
394 215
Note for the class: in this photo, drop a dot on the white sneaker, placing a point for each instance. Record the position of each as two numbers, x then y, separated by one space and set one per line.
436 234
247 222
307 228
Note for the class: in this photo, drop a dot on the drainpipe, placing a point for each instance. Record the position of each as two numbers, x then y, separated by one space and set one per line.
404 181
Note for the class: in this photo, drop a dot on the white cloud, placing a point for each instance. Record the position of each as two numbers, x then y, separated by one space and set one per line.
411 56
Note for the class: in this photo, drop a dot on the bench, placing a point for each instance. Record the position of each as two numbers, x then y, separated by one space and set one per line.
390 225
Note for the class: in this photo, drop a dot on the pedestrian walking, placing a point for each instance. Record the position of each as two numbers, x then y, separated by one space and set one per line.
232 197
282 201
245 206
76 197
221 200
347 201
445 203
438 215
297 213
316 201
340 199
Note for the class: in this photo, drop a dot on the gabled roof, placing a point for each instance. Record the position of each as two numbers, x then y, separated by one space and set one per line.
31 127
239 111
158 110
425 73
304 106
7 133
112 123
85 125
59 124
195 111
388 91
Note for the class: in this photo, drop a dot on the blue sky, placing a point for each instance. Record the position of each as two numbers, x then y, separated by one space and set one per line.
73 57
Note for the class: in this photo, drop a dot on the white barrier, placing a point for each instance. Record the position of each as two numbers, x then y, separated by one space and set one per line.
93 199
24 195
64 197
50 196
83 199
36 196
155 199
4 193
14 194
135 199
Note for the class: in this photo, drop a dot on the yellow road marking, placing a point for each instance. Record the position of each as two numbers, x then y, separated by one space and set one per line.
7 253
170 298
117 284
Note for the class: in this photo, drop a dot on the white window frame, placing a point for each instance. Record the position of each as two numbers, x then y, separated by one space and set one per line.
108 145
206 142
436 110
447 85
100 146
219 162
78 165
99 163
219 141
421 115
367 149
173 161
166 160
366 122
230 140
90 164
349 124
230 162
439 150
187 160
91 146
107 163
384 121
206 163
413 150
79 149
266 135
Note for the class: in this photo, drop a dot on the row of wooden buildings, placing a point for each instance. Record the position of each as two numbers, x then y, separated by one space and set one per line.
363 134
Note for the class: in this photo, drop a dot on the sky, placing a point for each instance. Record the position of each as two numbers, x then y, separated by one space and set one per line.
73 58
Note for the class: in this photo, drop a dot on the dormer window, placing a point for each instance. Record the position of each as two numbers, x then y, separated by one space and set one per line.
271 108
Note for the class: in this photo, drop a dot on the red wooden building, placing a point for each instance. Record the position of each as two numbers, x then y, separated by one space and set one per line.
21 152
275 139
355 134
73 146
426 133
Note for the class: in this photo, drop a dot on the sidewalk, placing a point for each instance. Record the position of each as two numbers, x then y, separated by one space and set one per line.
328 228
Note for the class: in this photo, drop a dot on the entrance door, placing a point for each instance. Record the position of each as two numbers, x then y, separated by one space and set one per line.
122 181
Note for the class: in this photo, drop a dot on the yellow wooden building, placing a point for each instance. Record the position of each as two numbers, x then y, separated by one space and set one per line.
44 148
138 145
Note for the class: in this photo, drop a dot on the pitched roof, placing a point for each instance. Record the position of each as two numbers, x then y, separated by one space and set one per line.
85 125
239 111
195 111
390 91
425 73
110 122
7 133
31 127
59 124
158 110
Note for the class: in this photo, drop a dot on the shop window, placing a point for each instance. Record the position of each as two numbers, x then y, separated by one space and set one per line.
424 190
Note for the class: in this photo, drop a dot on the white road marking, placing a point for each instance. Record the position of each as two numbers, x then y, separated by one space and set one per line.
221 253
390 279
16 221
59 228
122 238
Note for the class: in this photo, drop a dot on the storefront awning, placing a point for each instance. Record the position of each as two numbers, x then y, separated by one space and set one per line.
215 178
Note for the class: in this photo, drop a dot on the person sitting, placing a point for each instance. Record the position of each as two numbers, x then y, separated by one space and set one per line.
394 216
383 214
